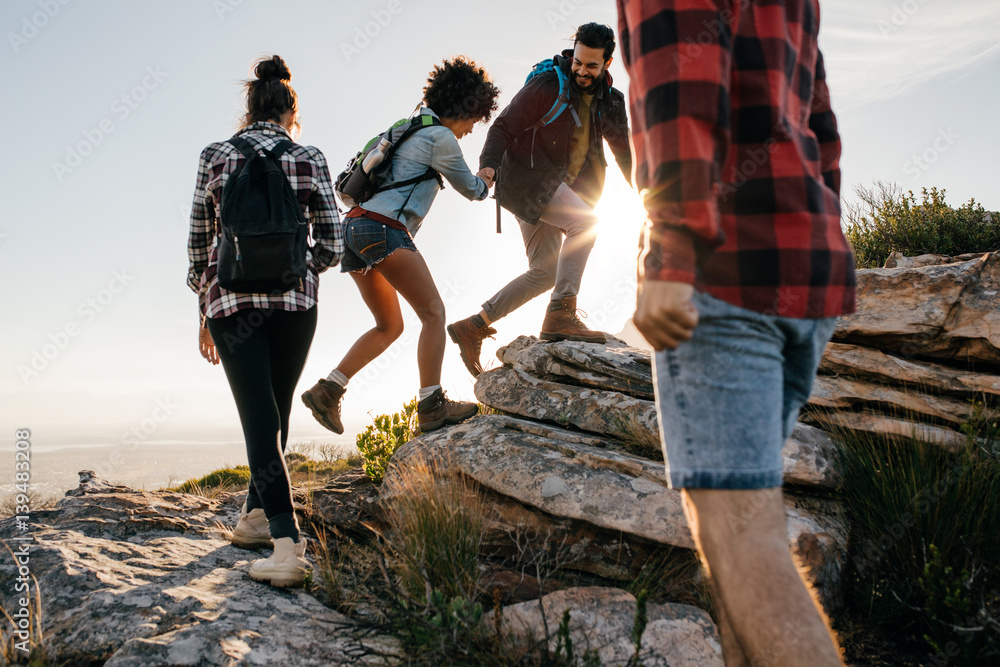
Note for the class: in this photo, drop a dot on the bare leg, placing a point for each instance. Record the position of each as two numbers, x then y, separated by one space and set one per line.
767 608
382 300
408 274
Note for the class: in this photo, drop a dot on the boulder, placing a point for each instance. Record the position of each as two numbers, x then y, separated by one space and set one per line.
622 369
594 481
609 413
601 620
810 457
944 311
137 578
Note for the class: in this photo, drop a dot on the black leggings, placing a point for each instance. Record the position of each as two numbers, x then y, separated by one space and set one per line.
263 352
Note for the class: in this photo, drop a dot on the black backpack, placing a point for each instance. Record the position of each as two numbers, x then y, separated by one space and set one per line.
264 235
367 171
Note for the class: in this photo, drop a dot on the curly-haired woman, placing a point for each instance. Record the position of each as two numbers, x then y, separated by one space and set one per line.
262 339
384 262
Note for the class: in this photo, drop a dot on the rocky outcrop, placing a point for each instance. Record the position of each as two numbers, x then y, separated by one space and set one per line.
619 502
601 621
945 311
543 386
138 578
921 357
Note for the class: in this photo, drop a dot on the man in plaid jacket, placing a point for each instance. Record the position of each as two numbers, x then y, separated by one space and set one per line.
744 271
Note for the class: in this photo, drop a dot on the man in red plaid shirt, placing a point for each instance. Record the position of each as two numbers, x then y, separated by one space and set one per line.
744 271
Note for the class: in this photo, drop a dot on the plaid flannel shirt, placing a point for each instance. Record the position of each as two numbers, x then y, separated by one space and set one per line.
309 176
737 150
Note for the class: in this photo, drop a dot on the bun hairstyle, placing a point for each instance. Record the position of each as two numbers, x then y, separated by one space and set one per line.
270 95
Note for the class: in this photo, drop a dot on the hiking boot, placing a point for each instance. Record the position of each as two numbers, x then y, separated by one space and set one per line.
324 401
286 567
436 410
251 530
469 339
561 323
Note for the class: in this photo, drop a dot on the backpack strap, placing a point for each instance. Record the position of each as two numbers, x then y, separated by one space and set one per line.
416 123
280 149
561 103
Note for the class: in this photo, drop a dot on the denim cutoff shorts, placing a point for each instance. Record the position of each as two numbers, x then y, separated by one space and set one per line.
729 397
368 242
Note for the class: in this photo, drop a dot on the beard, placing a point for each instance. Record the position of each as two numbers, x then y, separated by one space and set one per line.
591 86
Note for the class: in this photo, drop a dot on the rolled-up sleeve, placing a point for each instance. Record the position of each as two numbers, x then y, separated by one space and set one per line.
447 160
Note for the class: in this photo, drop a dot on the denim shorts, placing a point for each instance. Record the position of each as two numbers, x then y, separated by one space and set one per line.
729 397
368 242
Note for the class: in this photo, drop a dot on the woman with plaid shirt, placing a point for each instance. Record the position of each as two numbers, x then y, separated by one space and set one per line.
262 340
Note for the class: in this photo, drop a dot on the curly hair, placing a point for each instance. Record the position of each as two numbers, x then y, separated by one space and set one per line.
460 88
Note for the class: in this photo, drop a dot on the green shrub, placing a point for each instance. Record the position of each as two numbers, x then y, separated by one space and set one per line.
888 220
382 438
225 478
924 543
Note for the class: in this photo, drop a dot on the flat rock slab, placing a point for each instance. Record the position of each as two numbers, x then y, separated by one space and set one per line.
601 620
945 311
914 375
809 456
138 578
590 479
624 369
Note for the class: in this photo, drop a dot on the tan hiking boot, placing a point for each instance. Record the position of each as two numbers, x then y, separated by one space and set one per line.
437 410
469 339
324 400
251 531
286 567
561 323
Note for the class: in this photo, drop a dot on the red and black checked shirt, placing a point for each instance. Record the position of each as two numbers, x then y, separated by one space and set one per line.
737 149
306 169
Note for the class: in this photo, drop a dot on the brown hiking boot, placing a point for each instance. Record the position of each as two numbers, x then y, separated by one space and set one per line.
561 323
324 401
437 410
469 339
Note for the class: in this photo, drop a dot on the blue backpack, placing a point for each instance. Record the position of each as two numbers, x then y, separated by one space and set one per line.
562 100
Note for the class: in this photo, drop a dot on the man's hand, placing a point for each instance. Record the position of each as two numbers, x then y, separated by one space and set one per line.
207 346
487 174
664 314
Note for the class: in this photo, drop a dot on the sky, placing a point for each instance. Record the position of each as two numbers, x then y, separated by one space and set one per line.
109 105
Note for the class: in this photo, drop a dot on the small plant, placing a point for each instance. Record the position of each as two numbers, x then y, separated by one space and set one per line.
381 439
888 220
923 542
436 528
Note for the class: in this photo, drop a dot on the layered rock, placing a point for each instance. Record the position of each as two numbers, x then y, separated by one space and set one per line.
920 358
606 504
942 311
137 578
530 389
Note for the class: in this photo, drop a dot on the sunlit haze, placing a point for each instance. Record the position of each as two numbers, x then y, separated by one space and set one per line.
109 105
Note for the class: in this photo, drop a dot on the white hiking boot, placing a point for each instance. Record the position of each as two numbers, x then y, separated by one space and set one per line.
286 567
251 530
